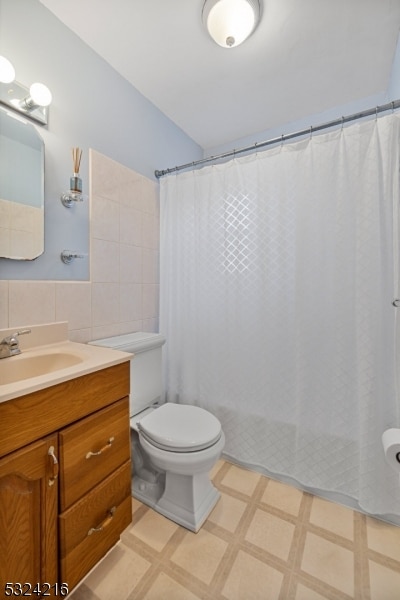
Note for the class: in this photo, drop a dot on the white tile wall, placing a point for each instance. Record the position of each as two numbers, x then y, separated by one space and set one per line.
3 304
31 302
122 294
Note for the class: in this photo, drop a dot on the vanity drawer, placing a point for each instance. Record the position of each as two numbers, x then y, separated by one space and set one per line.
91 449
93 525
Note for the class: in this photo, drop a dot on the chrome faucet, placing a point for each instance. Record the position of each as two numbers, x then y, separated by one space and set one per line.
9 346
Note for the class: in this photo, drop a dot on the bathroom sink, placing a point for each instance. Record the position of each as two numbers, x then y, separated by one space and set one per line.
26 366
48 358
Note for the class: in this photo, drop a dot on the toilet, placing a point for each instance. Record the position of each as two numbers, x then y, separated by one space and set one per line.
174 446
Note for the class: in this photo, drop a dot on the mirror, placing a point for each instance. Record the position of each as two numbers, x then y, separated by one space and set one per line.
21 189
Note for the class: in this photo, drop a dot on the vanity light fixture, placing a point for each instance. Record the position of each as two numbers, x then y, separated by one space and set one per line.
31 103
75 182
231 22
39 95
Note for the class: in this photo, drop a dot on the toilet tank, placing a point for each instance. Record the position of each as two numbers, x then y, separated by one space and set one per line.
145 367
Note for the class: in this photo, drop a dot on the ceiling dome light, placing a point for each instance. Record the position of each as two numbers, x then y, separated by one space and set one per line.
7 71
231 22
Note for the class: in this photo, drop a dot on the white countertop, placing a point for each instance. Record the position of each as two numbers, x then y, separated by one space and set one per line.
92 358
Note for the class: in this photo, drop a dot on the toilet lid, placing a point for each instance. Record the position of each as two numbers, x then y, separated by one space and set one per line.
180 427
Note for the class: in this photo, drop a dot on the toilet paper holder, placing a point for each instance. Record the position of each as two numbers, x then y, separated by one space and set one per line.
391 447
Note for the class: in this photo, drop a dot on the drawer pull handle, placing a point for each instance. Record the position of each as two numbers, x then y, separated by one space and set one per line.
103 449
105 523
55 465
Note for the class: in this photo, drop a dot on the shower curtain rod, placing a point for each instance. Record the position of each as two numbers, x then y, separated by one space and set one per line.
287 136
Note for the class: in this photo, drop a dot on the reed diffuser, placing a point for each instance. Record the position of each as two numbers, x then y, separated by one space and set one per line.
75 182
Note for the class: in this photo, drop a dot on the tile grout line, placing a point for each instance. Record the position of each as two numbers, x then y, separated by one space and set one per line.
361 567
296 551
237 537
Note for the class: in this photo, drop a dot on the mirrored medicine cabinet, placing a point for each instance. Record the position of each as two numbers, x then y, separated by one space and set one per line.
21 189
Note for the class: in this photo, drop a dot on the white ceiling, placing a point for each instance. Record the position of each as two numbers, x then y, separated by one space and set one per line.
306 56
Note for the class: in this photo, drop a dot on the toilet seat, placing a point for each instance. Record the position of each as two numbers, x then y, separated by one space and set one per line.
180 428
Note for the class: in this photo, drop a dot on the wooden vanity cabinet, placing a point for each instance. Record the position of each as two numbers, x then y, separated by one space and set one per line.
60 512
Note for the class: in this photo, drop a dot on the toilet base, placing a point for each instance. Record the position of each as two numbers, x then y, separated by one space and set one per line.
148 493
185 499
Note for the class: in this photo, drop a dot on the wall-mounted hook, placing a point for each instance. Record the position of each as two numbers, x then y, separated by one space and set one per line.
70 197
67 256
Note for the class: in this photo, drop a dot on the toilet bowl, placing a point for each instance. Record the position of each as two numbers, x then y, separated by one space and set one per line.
174 446
183 442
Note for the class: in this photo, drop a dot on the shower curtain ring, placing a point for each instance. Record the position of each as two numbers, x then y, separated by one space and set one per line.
396 303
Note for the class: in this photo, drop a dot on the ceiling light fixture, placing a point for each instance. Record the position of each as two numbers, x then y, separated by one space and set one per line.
231 22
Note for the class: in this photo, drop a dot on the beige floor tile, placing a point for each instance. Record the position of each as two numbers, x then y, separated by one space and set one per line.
200 554
216 468
136 504
383 538
283 496
270 533
227 512
118 574
330 563
164 588
241 480
154 529
385 583
304 593
333 517
202 559
252 579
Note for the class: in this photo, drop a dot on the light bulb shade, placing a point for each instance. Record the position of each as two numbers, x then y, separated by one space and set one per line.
31 103
231 22
40 94
7 71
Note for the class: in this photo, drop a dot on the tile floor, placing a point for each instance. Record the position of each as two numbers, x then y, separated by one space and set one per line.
263 541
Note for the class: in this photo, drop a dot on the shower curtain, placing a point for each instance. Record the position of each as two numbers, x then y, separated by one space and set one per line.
278 272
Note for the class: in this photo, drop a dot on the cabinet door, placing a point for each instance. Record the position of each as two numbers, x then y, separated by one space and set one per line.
28 514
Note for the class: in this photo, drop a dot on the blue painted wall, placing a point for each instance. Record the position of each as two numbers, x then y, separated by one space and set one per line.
93 107
392 92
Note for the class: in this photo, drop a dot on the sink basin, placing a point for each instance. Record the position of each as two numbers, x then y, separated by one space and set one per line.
25 366
48 358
